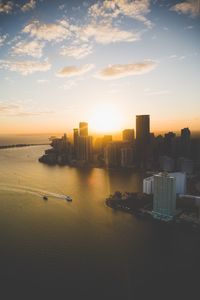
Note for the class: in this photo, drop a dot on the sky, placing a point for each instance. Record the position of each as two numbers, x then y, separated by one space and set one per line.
104 62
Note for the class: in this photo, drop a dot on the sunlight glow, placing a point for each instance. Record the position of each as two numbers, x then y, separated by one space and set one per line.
105 118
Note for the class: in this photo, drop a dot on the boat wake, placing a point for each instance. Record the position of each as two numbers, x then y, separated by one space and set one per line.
30 190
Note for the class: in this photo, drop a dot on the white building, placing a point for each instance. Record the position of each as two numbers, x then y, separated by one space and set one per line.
148 183
180 182
164 200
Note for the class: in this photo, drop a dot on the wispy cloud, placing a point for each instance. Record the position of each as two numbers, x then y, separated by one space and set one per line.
42 81
6 7
28 5
113 9
32 48
25 67
71 71
106 33
120 71
15 109
50 32
191 7
76 51
2 39
149 92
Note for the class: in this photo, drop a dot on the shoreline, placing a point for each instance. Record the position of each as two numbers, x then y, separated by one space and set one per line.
143 213
21 146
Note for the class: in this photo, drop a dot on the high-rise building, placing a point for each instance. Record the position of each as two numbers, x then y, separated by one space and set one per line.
148 183
142 127
83 128
112 154
164 200
76 135
126 156
168 143
143 138
185 142
85 148
128 135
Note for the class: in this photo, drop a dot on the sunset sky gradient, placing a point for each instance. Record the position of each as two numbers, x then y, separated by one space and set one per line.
63 61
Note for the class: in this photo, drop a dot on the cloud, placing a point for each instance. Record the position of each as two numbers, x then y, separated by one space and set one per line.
191 7
71 71
105 33
6 7
28 6
42 81
49 32
70 84
120 71
25 67
76 51
149 92
112 9
15 109
33 48
2 39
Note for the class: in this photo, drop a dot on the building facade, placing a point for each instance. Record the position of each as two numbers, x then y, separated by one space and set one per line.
164 200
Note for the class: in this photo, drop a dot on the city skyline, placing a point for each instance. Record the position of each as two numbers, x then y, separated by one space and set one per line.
99 61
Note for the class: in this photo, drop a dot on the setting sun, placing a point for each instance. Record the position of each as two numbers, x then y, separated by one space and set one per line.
105 118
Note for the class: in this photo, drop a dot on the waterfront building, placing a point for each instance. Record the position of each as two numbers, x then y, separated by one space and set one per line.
164 199
128 135
112 154
126 156
180 177
83 129
148 184
85 148
180 181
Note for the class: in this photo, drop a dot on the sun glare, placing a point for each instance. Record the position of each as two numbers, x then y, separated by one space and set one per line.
105 118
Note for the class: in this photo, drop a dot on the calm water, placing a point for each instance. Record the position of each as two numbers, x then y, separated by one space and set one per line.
84 250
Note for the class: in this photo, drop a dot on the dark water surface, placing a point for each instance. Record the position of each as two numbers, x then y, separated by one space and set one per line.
83 249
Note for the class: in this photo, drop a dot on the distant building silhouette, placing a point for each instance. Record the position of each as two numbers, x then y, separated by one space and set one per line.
126 156
168 143
83 129
128 135
113 154
142 138
85 148
185 142
76 135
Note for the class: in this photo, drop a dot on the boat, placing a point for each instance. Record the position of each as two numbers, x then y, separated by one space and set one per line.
45 197
68 198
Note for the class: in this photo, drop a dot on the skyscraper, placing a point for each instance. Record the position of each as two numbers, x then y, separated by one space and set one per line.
142 127
85 148
142 138
83 128
76 142
185 142
164 200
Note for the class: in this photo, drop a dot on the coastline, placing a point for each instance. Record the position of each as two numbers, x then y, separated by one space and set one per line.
143 213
